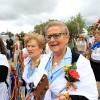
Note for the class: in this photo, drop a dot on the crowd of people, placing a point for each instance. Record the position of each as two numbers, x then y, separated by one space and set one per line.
49 55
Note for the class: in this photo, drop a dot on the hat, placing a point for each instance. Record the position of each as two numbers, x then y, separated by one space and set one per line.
3 60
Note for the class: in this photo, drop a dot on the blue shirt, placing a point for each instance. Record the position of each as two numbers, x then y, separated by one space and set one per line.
30 71
55 73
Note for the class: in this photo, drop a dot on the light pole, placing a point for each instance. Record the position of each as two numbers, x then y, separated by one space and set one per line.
78 28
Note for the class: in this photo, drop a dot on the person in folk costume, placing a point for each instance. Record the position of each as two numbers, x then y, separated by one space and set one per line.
23 54
19 71
13 88
95 58
4 71
35 45
57 37
17 47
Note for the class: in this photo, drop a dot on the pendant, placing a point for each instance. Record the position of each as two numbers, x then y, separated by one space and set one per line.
55 64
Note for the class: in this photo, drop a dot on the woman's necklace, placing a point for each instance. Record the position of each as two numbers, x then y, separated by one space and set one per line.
53 67
55 62
36 64
32 67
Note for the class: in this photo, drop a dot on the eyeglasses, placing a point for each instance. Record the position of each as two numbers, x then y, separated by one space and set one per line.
55 36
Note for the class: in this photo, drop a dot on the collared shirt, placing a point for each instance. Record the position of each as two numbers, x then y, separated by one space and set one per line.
30 71
52 74
55 73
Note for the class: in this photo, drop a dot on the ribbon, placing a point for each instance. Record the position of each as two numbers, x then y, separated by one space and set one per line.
71 85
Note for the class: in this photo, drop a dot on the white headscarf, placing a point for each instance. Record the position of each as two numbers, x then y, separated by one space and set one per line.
85 87
3 86
3 60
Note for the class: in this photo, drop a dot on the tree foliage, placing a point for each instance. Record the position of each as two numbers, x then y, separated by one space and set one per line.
41 27
9 33
75 25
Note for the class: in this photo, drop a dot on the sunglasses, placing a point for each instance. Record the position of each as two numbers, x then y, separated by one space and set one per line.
80 37
55 36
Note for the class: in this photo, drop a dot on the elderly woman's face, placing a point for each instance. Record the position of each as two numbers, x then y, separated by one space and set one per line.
57 39
33 49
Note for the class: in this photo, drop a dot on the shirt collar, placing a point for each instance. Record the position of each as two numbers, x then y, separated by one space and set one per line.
68 54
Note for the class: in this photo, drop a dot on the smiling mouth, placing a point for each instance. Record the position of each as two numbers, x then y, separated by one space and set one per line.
30 52
53 45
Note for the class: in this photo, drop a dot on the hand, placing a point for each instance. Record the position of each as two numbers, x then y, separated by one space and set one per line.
29 96
62 97
20 82
85 53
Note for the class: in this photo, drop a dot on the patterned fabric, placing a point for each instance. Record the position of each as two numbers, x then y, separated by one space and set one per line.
95 56
96 45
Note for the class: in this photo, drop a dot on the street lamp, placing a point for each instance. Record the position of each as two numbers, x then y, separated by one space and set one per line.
78 28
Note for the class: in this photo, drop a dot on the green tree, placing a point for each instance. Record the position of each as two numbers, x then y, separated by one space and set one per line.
9 33
75 26
41 27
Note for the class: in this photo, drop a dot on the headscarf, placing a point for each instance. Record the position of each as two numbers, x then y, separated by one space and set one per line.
3 60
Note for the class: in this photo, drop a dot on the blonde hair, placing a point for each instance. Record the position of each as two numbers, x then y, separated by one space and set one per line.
56 23
39 38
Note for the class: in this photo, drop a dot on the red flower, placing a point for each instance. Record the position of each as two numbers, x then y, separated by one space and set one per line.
74 73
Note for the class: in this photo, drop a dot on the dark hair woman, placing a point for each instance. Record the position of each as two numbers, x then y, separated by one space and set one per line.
4 67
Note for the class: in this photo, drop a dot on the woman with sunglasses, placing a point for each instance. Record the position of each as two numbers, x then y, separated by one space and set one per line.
57 37
81 44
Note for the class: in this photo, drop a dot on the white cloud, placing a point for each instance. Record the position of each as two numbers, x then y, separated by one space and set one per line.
23 15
